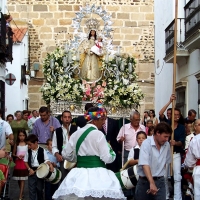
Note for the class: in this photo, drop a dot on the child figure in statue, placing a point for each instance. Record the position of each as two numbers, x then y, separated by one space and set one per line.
97 48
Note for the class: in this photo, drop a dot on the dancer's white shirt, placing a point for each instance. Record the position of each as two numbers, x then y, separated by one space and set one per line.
193 152
94 144
95 182
188 139
192 155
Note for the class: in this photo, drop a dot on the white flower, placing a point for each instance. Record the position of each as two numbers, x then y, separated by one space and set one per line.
74 58
115 87
125 81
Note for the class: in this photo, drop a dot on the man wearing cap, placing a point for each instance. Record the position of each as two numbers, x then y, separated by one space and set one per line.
89 148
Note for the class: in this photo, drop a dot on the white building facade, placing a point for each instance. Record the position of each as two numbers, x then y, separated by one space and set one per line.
16 95
188 54
5 51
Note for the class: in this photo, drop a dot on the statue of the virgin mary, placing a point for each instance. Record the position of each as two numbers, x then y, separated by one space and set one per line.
90 61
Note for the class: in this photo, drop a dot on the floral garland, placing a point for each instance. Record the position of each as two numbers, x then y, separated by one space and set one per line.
123 91
118 87
59 85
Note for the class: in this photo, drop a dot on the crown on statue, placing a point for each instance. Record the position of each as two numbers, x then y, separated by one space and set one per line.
92 24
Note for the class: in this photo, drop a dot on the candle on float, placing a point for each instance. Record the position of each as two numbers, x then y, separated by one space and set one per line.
52 63
65 61
69 56
66 47
107 58
118 49
77 56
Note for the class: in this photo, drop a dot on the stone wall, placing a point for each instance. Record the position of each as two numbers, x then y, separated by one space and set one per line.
49 21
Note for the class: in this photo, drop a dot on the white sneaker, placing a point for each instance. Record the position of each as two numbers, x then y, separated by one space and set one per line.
188 193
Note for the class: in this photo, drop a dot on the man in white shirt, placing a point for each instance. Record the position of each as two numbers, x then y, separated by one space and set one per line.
5 131
32 120
153 157
34 116
61 137
192 159
89 148
128 133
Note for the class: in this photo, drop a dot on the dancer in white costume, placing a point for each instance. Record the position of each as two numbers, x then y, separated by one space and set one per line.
193 159
89 148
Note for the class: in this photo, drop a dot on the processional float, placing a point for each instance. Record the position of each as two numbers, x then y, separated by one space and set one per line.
76 74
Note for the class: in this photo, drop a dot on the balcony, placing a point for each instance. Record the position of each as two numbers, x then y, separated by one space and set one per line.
9 45
181 53
192 24
3 34
6 41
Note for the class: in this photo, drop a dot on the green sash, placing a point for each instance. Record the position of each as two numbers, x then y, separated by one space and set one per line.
87 161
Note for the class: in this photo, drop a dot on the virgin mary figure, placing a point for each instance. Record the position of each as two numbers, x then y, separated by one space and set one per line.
90 63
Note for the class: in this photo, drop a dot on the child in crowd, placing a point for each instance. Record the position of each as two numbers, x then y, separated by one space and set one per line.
35 156
133 155
145 118
189 134
189 128
51 188
150 131
20 172
97 48
148 124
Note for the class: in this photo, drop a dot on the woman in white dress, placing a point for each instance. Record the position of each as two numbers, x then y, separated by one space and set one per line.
90 62
89 148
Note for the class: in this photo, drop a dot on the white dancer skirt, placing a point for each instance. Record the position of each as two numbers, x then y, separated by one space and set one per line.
88 184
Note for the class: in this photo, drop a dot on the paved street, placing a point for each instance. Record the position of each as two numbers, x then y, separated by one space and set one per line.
14 190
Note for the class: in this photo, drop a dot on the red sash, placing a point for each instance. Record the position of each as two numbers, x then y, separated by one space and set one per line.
198 162
98 45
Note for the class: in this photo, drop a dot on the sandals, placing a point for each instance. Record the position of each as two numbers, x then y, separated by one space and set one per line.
22 198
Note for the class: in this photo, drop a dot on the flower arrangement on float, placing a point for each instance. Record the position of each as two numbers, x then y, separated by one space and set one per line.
59 85
117 88
122 89
94 91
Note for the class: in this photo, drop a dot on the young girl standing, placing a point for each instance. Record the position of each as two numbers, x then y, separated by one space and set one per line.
20 172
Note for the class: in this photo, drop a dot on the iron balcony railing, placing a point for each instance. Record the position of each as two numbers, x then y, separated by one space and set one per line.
192 17
169 34
6 41
9 45
3 34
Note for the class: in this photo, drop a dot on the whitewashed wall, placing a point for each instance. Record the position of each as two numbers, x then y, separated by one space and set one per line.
3 8
17 93
164 14
2 72
186 73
